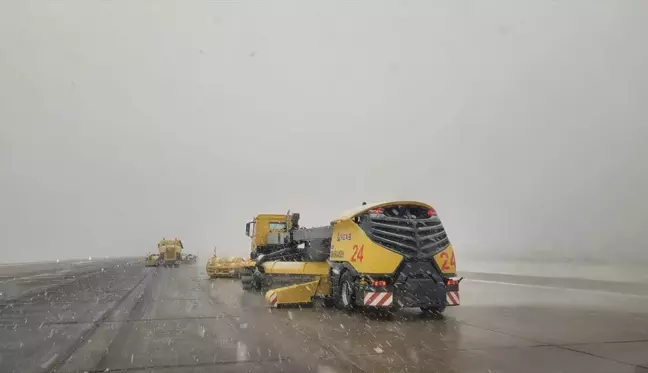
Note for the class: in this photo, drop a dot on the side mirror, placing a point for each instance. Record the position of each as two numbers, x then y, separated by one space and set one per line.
247 229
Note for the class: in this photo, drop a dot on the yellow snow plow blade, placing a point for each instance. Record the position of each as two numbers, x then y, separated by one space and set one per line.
298 293
302 281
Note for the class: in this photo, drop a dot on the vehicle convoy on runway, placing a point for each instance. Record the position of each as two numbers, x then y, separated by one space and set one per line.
384 255
170 252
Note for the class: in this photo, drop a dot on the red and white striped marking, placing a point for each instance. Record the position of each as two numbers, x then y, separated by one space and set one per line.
273 299
452 298
378 299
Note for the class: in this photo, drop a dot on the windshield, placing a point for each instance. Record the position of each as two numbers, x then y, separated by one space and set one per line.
277 226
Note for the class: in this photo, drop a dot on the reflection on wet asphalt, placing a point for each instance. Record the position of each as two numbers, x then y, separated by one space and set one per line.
127 318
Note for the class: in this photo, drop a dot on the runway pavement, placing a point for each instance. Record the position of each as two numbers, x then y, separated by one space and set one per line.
119 316
26 278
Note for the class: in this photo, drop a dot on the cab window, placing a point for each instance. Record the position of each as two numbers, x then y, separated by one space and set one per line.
275 226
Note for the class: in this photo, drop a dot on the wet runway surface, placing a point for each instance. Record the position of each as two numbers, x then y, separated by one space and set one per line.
128 318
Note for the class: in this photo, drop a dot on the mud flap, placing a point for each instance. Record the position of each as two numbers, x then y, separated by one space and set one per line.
452 291
452 298
378 299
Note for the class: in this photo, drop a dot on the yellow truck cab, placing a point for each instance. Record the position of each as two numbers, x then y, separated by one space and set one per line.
170 251
267 233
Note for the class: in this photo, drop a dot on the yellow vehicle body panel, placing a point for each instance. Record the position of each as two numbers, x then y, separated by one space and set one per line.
164 243
236 265
170 253
151 260
299 293
249 263
296 268
349 214
262 226
211 267
350 244
445 260
236 262
221 267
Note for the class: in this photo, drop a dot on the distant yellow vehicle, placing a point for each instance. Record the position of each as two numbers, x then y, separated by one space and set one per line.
224 267
151 260
170 251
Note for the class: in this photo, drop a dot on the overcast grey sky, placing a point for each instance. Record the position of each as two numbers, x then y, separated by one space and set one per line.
125 121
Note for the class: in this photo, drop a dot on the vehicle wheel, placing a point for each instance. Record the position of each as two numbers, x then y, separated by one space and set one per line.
259 281
345 293
246 282
177 265
328 302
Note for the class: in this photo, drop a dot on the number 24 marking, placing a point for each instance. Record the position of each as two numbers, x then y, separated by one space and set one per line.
358 254
445 266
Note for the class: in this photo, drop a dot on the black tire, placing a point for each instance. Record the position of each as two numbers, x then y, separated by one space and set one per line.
246 283
328 302
251 279
344 294
176 265
259 281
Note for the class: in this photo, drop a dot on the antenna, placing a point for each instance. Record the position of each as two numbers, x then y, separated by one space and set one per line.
288 221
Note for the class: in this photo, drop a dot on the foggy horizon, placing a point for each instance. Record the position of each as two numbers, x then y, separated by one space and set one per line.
522 123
